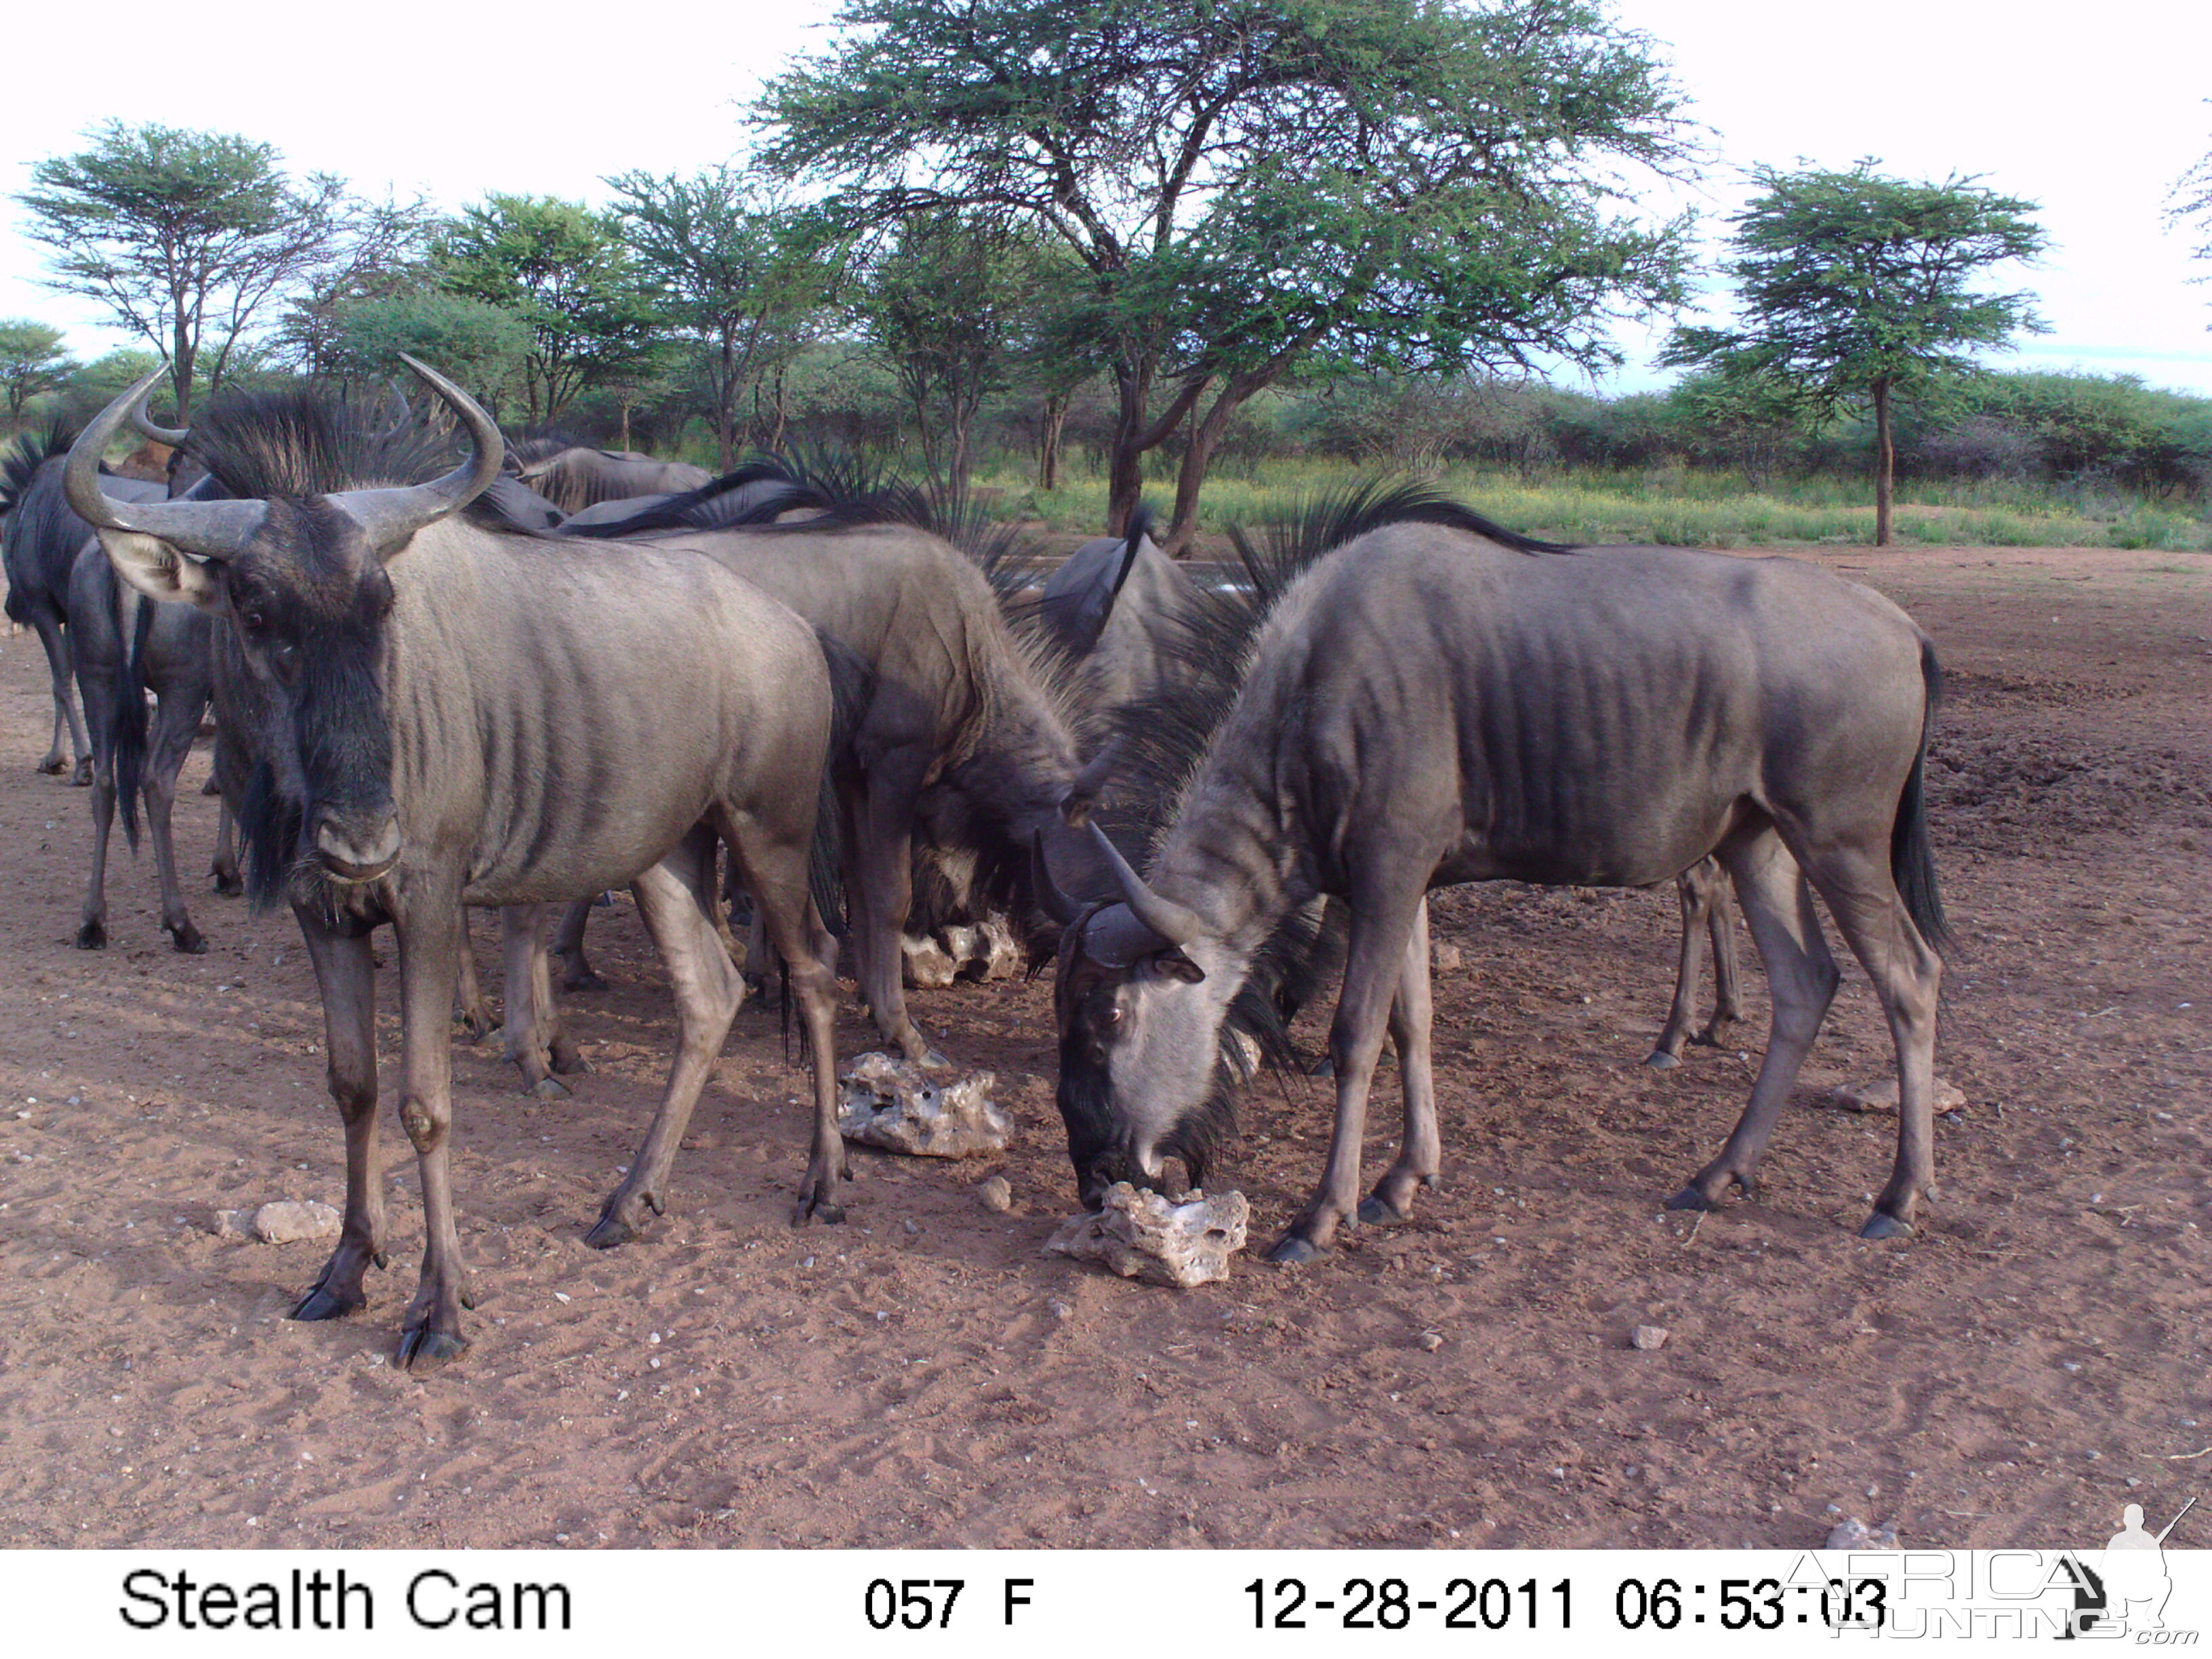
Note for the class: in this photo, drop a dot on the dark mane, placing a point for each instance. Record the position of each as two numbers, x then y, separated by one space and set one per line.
298 443
28 454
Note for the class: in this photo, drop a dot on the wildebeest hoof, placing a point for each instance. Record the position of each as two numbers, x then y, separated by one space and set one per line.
1690 1199
227 884
1324 1066
582 979
322 1303
1882 1224
1293 1251
211 787
187 940
420 1350
54 765
610 1229
826 1210
82 780
548 1088
93 936
1660 1061
1378 1213
569 1064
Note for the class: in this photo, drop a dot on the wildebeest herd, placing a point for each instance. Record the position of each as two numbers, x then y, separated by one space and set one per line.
434 687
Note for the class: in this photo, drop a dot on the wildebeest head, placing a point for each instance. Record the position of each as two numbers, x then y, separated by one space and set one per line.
1140 995
302 579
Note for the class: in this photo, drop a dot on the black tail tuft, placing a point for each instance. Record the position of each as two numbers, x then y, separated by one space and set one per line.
1911 860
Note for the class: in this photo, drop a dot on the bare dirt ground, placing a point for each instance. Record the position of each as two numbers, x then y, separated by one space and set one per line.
2033 1358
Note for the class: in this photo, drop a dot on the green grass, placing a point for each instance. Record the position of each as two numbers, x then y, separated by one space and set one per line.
1672 506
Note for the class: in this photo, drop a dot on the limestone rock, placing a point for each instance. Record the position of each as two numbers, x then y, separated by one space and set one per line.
1648 1338
925 965
232 1224
995 1194
1853 1533
1446 959
998 953
1141 1235
898 1106
291 1221
1877 1098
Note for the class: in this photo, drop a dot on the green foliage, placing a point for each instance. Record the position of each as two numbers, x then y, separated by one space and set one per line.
1254 183
564 272
484 347
182 235
33 360
742 271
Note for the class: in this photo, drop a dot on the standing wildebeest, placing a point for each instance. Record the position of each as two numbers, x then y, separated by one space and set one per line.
1142 631
39 542
1436 702
575 478
962 741
454 715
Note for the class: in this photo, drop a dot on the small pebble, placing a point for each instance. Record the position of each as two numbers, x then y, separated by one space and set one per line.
995 1194
1430 1341
1060 1309
1648 1338
1853 1533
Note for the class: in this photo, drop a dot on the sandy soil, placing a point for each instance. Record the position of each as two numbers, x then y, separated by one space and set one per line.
2035 1357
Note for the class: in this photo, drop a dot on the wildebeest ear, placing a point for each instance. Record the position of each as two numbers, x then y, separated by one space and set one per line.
1173 965
159 571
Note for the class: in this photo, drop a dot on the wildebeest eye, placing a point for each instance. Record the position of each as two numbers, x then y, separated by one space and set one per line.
254 622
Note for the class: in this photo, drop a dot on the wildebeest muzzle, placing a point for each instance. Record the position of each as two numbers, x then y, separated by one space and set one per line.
356 846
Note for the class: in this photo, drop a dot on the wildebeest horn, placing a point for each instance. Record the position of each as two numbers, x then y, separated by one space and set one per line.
390 516
174 436
1082 793
1175 923
206 530
1056 903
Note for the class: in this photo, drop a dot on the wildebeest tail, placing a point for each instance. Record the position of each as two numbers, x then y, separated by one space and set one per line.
126 731
851 684
1911 860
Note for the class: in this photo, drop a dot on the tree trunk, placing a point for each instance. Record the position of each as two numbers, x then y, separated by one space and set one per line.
1048 434
1205 436
726 392
1885 462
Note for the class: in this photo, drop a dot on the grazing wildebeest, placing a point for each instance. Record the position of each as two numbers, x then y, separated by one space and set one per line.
1439 701
452 714
962 742
575 478
1142 631
39 541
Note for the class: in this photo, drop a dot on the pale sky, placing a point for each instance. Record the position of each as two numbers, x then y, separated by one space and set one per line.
2091 111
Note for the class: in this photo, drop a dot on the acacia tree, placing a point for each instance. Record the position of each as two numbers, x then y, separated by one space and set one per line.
1854 289
2190 203
32 359
1254 185
563 270
743 271
184 235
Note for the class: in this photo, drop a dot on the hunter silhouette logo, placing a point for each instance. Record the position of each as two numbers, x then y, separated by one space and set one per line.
2126 1592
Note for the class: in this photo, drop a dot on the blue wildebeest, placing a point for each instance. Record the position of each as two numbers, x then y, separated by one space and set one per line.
1142 631
1439 701
40 540
576 477
437 713
963 741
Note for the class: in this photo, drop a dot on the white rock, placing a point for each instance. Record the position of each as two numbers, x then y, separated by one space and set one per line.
232 1224
1001 955
291 1221
925 965
1446 959
1876 1098
995 1193
897 1105
1853 1533
1141 1235
1648 1338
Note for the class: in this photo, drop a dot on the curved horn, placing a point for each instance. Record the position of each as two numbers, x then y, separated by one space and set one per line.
1055 903
206 530
1082 793
390 516
1175 923
174 436
401 410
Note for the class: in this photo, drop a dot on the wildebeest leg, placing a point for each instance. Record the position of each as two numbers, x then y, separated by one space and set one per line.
535 1040
778 875
431 937
1778 905
885 858
1906 974
176 723
65 713
579 975
675 900
345 974
92 933
224 869
1728 1002
471 1012
1382 924
1420 1153
1693 889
